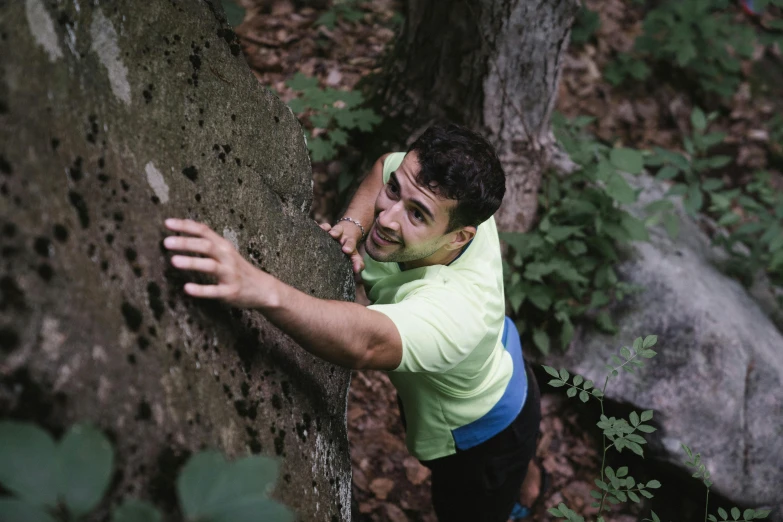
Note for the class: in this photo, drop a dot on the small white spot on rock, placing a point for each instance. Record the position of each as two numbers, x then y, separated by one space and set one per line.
232 237
104 387
52 337
99 354
104 43
42 27
156 181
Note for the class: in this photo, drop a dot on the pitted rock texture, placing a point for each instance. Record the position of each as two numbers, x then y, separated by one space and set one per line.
114 116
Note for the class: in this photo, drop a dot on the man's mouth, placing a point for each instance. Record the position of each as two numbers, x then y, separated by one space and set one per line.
381 238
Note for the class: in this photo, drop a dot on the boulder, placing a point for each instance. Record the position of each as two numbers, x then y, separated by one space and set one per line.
114 116
715 384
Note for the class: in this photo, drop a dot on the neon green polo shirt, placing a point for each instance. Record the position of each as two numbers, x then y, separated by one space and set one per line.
454 366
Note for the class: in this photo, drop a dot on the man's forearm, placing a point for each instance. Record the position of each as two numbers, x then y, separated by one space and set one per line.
362 205
343 333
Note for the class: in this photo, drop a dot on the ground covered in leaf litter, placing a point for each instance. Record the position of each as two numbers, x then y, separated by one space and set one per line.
280 39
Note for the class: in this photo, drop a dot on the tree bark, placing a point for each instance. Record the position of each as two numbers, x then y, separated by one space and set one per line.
113 116
491 65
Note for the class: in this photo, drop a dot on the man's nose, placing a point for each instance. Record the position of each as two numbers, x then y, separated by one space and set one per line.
389 217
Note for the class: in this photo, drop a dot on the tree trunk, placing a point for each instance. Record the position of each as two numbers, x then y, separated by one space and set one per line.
114 116
491 65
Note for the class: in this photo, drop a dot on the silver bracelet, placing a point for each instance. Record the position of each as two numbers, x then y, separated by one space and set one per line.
355 223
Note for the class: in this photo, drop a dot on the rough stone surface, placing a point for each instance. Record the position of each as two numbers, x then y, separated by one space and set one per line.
716 382
114 116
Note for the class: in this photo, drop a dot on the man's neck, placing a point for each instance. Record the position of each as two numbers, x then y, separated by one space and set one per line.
438 258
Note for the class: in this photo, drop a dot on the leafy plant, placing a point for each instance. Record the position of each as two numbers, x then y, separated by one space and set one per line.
66 480
698 38
614 486
332 112
752 215
754 219
562 269
347 10
586 23
618 486
690 168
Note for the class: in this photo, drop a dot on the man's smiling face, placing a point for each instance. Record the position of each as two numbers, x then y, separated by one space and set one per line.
411 222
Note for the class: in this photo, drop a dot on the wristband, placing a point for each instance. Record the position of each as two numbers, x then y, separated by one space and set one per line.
355 223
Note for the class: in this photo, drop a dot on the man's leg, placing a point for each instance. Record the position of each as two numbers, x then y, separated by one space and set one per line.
483 483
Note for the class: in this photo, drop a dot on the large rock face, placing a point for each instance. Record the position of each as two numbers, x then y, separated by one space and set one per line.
716 382
114 116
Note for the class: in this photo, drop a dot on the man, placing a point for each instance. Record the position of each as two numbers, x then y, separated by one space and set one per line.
437 319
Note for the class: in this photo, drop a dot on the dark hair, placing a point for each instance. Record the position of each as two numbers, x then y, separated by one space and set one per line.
457 163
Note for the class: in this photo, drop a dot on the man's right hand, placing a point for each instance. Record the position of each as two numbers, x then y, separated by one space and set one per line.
348 234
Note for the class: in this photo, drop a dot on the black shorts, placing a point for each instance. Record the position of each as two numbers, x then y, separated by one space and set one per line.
482 483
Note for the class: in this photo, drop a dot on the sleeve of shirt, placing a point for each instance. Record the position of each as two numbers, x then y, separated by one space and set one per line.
438 328
392 163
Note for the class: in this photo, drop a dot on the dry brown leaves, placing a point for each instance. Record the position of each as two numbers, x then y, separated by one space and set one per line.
654 114
281 40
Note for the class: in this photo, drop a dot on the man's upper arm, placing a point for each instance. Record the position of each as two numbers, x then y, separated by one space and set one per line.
384 351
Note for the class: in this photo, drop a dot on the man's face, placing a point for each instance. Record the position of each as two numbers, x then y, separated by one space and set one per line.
410 220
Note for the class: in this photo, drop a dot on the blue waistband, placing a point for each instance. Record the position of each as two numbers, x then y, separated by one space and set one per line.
508 406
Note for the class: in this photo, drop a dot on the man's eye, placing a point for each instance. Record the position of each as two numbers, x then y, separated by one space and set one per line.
392 188
418 216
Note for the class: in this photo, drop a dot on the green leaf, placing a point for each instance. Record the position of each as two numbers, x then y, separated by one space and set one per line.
646 493
86 462
698 119
634 418
748 514
627 160
297 106
28 463
136 511
633 496
650 341
197 479
540 296
328 19
636 228
584 396
646 415
555 512
15 510
571 392
254 509
560 233
556 383
301 82
564 374
735 513
667 172
653 484
711 185
234 12
619 189
541 340
237 491
723 514
693 200
320 149
672 224
551 371
578 379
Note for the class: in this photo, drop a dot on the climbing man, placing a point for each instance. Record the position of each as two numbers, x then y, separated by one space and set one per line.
436 322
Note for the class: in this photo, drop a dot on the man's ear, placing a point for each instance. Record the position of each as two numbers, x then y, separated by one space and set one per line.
462 237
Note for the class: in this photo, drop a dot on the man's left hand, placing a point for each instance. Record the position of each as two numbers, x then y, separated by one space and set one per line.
239 283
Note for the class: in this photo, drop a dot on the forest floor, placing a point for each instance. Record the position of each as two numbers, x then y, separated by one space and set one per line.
280 39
